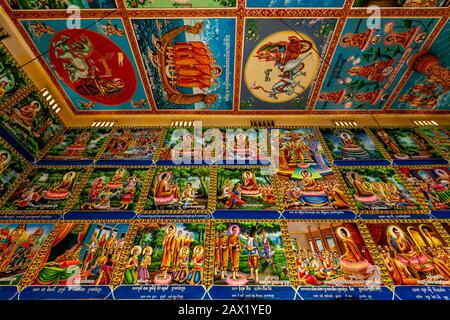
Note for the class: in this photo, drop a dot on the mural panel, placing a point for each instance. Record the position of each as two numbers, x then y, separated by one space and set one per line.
369 62
440 137
78 144
19 246
281 60
31 123
413 253
180 4
405 144
249 253
179 189
112 189
133 144
95 65
189 62
46 189
245 189
167 254
378 189
401 3
428 87
350 144
432 183
294 3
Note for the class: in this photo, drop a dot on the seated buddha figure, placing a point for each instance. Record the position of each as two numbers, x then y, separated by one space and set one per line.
406 252
308 182
312 193
63 189
351 149
79 144
166 192
250 185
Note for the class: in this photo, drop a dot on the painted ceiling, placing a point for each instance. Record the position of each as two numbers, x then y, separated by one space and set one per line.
242 57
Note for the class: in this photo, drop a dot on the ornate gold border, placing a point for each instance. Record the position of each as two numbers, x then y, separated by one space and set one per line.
422 207
70 201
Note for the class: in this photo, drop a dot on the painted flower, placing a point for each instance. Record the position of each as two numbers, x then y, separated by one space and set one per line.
348 105
340 81
348 80
351 58
134 4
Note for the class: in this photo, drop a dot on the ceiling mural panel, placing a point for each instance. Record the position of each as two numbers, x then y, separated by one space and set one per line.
95 67
180 4
427 89
190 62
294 3
58 4
369 62
281 60
241 56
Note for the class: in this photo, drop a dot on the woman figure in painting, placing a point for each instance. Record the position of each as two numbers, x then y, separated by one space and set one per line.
5 158
143 273
93 195
182 265
195 276
234 245
235 197
130 274
226 191
388 141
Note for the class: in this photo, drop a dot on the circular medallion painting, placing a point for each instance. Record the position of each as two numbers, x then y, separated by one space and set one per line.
93 66
281 67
